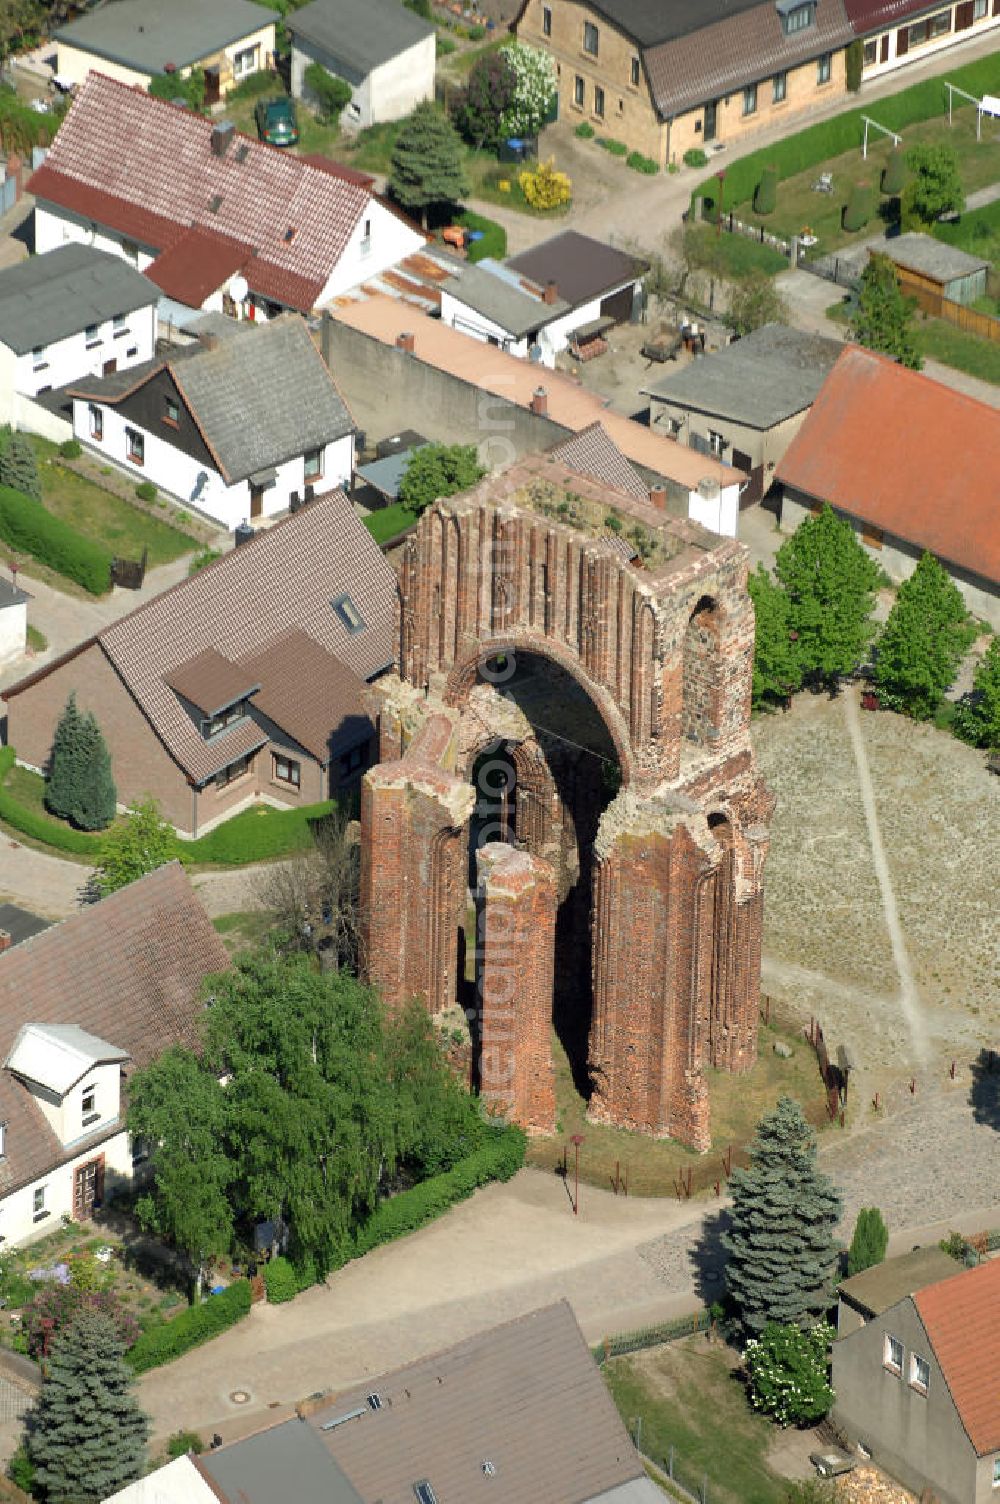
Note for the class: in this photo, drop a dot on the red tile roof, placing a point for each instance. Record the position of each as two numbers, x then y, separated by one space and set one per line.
875 15
338 170
961 1316
162 177
894 448
196 265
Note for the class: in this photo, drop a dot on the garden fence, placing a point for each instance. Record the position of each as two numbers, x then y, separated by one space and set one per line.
686 1479
642 1337
932 302
734 226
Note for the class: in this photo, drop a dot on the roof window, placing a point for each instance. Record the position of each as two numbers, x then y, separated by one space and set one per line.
290 234
796 15
215 203
424 1493
349 614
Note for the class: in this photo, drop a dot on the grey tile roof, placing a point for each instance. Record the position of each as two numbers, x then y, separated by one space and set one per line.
758 380
515 309
526 1397
362 33
50 297
286 577
148 34
592 452
582 268
933 258
652 21
11 594
284 1462
745 46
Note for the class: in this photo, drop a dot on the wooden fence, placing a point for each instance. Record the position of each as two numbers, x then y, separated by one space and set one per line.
934 303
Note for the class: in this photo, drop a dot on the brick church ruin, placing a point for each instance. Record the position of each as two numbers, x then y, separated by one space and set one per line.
566 761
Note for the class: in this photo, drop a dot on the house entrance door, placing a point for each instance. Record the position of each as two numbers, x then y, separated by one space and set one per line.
88 1188
109 368
256 501
711 111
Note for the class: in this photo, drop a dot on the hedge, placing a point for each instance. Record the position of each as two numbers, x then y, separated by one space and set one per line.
494 241
829 138
28 527
162 1344
280 1281
609 144
32 823
639 163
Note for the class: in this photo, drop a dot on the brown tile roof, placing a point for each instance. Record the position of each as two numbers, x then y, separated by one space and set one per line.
581 267
526 1397
742 49
197 264
895 449
128 969
162 177
210 681
493 370
591 452
310 694
962 1318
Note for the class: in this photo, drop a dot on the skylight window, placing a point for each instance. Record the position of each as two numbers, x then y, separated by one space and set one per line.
349 614
424 1493
215 203
290 234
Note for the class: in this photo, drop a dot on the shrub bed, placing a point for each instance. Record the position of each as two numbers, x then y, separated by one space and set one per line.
609 144
162 1344
829 138
28 527
585 131
494 241
639 163
280 1281
695 157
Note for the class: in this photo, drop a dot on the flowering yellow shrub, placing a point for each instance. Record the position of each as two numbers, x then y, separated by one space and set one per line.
545 188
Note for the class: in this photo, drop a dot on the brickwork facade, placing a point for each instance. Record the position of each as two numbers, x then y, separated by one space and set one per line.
662 886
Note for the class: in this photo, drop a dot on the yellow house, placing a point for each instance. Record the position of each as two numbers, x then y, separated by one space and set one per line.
668 77
134 40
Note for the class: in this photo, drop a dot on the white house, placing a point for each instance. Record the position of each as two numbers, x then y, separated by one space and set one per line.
132 967
569 288
13 621
242 423
215 218
384 51
73 312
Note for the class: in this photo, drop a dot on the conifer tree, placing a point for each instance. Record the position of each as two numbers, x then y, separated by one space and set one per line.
782 1254
87 1436
425 169
978 718
830 582
883 318
96 796
924 641
870 1240
64 762
18 467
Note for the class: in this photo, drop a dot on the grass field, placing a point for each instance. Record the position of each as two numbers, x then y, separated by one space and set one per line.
939 340
98 514
689 1398
389 521
738 1102
799 206
737 257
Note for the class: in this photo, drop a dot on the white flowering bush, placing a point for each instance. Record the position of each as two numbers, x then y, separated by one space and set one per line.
787 1373
534 90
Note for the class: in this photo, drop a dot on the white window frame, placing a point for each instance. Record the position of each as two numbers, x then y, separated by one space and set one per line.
717 442
980 10
871 46
38 1207
92 336
921 1385
996 1472
90 1114
96 416
890 1346
119 325
135 439
366 238
240 68
38 361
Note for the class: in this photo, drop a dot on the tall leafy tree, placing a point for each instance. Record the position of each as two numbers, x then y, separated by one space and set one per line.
97 797
883 319
180 1110
754 302
139 844
776 672
924 641
426 169
936 185
489 95
782 1254
830 583
978 718
437 1122
62 781
436 470
870 1240
87 1436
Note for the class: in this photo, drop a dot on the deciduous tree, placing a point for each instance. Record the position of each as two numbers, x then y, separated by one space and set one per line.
488 96
870 1240
883 319
426 170
781 1250
776 672
139 844
924 641
534 90
436 470
753 302
830 583
87 1436
787 1373
978 717
936 185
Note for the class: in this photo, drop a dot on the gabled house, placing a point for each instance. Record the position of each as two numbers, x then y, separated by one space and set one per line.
668 77
917 1383
240 424
911 465
896 32
244 683
218 219
136 40
72 312
82 1004
384 51
570 287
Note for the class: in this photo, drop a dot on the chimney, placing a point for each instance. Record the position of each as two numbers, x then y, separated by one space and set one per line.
540 402
658 497
5 941
243 533
222 137
406 342
310 493
550 293
208 340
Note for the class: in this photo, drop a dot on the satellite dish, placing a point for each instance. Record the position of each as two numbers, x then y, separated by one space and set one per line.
238 289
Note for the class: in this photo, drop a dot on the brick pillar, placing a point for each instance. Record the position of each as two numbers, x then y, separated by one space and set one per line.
414 844
515 962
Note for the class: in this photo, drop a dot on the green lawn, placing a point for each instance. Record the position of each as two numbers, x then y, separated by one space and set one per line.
389 521
737 256
939 340
799 206
689 1399
103 517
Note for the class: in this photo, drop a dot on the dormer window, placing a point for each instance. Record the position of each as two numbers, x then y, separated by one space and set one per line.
89 1105
212 725
796 15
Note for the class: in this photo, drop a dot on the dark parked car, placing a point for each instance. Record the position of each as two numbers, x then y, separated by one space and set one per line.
277 122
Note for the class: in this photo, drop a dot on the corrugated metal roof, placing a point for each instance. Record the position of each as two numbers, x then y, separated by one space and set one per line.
516 310
962 1318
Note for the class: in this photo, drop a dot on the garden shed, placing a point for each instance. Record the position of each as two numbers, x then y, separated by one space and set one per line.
938 270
